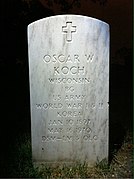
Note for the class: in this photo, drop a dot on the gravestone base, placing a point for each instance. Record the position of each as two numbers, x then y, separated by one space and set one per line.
55 164
59 164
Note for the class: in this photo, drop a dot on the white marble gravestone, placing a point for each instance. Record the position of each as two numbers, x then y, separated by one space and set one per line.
69 89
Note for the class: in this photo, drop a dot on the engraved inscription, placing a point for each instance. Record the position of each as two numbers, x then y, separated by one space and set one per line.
69 123
69 80
69 29
68 138
55 122
71 102
74 70
61 58
72 129
63 122
49 106
75 97
69 113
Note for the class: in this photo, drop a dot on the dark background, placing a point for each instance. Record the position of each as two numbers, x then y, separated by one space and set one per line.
14 74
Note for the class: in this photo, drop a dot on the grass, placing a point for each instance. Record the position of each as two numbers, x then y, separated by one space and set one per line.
21 164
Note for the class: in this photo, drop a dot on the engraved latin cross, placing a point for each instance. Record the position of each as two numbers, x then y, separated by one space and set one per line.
69 29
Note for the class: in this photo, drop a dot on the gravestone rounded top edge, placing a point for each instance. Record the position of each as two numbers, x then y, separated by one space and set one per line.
69 15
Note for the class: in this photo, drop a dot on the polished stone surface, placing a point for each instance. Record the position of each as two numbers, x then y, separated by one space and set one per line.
69 89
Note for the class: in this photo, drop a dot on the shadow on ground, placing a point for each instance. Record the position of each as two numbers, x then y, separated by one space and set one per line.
120 113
